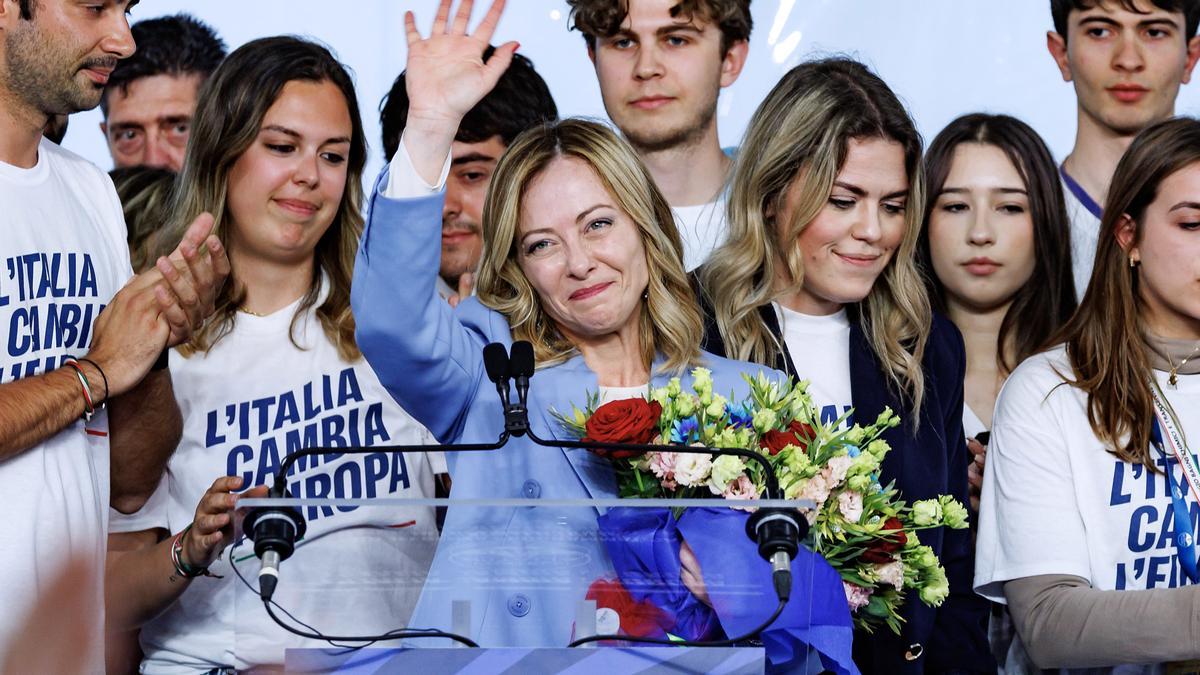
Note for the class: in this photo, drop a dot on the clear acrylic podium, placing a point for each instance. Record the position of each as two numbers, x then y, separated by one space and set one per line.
522 579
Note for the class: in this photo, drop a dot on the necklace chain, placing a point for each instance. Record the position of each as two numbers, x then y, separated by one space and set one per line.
1173 376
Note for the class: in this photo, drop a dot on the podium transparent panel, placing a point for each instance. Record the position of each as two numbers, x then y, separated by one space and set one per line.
518 581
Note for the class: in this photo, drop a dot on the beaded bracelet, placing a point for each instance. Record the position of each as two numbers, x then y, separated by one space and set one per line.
183 569
89 410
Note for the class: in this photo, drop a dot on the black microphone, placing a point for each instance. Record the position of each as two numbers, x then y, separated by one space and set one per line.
520 368
778 533
274 531
495 361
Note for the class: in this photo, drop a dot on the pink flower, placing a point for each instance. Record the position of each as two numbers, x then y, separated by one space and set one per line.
850 505
891 573
816 489
742 488
662 464
856 596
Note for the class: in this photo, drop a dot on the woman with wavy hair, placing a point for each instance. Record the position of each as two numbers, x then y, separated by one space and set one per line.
1087 518
581 259
818 278
276 155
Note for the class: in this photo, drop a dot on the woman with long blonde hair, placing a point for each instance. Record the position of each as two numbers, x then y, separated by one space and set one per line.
1087 518
818 278
582 260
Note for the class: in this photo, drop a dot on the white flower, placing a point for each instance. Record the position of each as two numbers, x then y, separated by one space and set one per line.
891 573
850 505
692 469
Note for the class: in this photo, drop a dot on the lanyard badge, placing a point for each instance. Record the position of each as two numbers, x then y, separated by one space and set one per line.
1164 434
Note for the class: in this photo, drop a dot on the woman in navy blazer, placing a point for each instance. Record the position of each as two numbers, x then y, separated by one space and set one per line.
582 259
817 278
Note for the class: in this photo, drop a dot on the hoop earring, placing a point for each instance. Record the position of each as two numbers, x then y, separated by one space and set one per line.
1133 262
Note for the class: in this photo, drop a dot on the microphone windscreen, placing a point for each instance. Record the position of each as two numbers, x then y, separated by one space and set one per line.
521 363
495 360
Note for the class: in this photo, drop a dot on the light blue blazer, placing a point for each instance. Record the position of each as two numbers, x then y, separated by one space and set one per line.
523 570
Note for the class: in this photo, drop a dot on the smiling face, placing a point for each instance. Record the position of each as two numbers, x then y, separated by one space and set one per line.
660 76
285 189
981 230
59 61
581 253
1169 252
1126 66
850 242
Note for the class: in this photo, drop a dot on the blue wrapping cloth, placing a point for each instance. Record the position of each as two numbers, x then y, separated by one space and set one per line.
644 547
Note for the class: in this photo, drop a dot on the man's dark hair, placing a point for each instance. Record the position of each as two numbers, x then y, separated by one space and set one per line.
170 45
603 18
1060 9
521 100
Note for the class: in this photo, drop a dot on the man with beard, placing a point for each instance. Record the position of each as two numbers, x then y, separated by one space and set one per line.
661 65
76 331
1126 59
520 100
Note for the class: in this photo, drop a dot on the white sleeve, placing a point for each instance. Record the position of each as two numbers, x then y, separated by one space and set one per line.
403 180
152 515
1029 519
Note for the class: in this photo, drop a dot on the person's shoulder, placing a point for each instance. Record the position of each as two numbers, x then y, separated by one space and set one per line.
61 159
1038 379
1043 370
487 322
943 334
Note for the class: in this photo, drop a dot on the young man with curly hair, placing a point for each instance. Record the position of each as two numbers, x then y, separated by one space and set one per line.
661 65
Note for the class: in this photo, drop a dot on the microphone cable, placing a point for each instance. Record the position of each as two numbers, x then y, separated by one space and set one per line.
729 642
314 634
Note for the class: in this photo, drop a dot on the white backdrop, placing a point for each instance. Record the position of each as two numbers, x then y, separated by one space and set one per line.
943 57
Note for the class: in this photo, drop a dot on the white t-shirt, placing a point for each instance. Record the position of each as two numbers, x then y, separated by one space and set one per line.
1085 234
359 569
820 350
62 257
1055 502
972 425
702 229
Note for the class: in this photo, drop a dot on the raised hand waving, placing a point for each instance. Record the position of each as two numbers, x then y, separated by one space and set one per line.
446 76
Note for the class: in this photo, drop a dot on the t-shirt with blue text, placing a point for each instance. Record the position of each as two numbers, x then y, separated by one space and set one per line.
1056 502
254 398
820 350
62 258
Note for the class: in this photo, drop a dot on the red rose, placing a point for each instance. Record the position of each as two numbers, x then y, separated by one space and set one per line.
632 420
797 434
881 550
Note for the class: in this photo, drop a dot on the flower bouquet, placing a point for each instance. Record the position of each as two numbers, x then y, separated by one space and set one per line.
862 528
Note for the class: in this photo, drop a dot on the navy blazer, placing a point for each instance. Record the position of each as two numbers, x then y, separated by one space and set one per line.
925 463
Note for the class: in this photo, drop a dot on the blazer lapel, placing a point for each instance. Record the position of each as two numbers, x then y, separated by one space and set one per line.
557 389
870 393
